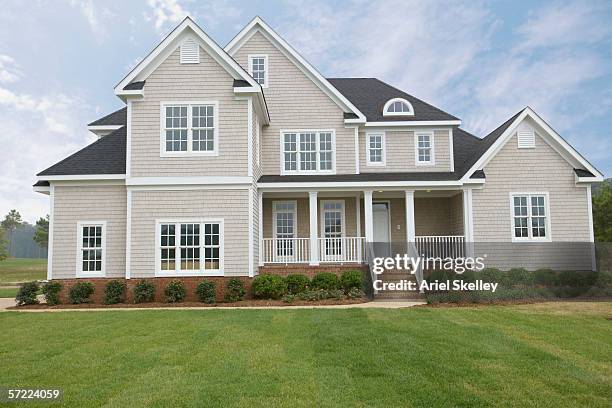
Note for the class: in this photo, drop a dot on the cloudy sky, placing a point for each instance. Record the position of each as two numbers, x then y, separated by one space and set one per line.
480 61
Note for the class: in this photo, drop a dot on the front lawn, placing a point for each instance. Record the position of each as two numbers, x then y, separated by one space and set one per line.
8 292
552 354
17 270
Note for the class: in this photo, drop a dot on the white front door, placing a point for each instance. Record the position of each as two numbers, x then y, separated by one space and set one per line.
332 230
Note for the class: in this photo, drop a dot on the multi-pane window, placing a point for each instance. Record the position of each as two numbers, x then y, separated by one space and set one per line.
308 151
333 216
284 226
91 248
376 149
529 216
397 106
190 247
424 148
190 128
259 69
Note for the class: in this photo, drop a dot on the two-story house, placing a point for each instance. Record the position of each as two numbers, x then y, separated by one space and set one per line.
228 160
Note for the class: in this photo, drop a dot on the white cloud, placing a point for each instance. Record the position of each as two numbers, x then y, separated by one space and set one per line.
97 18
166 11
9 71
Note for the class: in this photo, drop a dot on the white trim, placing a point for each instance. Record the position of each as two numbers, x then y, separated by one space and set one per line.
178 272
530 238
128 236
197 180
103 128
588 180
81 177
591 231
257 24
266 67
249 136
79 255
415 123
128 152
432 149
191 187
312 214
257 141
297 170
50 235
410 216
369 222
322 216
358 214
402 100
42 189
260 221
251 256
383 139
189 105
358 185
451 149
357 150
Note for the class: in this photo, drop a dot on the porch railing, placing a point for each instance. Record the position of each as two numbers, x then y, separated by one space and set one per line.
297 250
286 250
341 250
442 246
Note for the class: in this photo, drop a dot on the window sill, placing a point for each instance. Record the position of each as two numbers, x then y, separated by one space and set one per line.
179 274
529 240
189 154
376 164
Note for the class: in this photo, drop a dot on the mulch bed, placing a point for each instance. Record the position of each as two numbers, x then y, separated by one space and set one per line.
242 303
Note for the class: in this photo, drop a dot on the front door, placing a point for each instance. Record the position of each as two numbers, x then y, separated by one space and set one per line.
332 227
382 234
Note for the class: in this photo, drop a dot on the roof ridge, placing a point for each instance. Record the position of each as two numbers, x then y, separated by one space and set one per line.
505 123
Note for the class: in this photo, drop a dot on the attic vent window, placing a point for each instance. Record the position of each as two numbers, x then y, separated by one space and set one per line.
526 137
398 107
190 52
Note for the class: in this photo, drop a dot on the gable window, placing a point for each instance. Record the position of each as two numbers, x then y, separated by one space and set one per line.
189 129
375 149
424 148
307 151
258 68
529 216
190 248
398 107
91 253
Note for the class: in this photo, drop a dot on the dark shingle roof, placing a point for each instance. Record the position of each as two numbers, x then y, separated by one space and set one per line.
41 184
583 173
241 83
117 118
104 156
134 86
369 95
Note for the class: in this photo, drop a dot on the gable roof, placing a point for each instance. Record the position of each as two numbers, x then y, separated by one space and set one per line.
104 156
369 95
117 118
258 25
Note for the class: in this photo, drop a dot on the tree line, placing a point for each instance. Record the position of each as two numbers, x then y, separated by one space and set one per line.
12 225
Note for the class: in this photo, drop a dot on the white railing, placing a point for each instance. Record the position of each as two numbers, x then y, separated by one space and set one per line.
285 250
443 246
341 250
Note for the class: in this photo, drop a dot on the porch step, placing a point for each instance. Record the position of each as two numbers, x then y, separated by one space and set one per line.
396 276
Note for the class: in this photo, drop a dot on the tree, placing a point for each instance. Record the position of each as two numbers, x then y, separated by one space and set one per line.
11 222
41 236
602 212
3 249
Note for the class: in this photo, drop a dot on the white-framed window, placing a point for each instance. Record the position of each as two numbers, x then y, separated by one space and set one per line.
398 107
424 148
258 68
376 154
530 216
91 249
189 128
189 247
284 221
308 151
332 228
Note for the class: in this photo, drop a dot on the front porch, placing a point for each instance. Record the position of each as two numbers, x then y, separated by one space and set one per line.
341 228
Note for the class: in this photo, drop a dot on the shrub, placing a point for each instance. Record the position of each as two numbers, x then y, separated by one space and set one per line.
351 280
492 275
297 283
114 292
577 279
288 298
51 291
81 292
335 294
144 292
326 281
519 277
234 290
354 293
26 295
175 292
313 295
269 287
545 277
206 291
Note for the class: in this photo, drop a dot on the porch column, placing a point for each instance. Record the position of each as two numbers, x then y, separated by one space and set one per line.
468 228
410 231
314 244
369 222
260 226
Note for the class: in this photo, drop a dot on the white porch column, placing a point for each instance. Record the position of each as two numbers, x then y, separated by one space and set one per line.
410 231
468 223
314 244
369 222
260 226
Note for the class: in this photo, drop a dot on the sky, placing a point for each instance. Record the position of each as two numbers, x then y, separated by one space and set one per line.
481 61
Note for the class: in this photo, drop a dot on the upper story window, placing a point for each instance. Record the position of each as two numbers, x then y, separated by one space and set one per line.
375 149
424 148
398 107
307 151
529 216
91 248
189 129
258 68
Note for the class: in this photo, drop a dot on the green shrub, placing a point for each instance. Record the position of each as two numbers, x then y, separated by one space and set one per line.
326 281
289 298
234 290
313 295
351 280
51 291
26 295
493 275
467 276
297 283
269 287
144 292
354 293
175 291
500 295
519 277
577 279
441 275
81 292
114 292
545 277
335 294
206 291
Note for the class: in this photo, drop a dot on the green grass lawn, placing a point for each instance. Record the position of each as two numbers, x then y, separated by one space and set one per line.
16 270
555 355
8 292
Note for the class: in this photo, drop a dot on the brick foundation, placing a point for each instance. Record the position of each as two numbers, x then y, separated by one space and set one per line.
310 271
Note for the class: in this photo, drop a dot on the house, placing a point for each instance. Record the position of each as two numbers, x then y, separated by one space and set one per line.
227 162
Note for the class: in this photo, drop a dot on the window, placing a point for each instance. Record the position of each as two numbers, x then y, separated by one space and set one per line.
375 149
398 107
190 248
91 254
332 226
285 216
258 66
189 129
424 147
529 215
307 151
